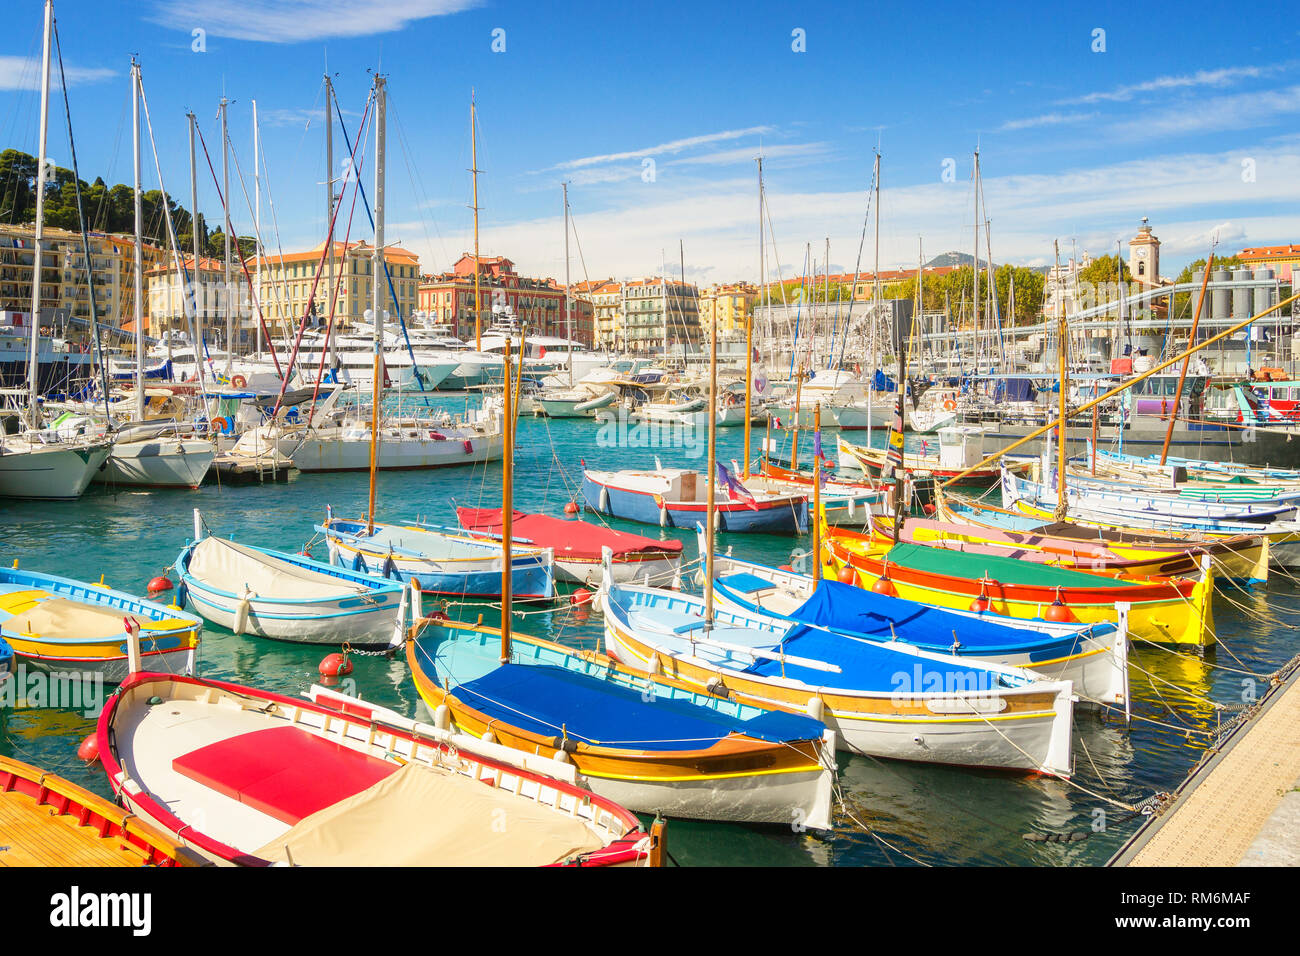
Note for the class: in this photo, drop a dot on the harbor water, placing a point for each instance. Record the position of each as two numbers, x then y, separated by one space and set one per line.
894 813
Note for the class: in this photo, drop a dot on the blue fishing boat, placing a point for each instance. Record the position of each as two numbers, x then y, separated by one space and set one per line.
1093 656
675 498
443 561
6 664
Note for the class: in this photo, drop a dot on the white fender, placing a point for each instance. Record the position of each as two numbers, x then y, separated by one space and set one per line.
241 612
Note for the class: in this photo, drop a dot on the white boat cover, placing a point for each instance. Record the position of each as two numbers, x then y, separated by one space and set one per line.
420 816
228 566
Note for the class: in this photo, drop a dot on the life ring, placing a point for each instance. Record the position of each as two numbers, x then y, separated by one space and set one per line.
223 425
238 381
949 405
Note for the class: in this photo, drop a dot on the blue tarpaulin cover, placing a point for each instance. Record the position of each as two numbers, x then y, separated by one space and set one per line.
541 698
843 607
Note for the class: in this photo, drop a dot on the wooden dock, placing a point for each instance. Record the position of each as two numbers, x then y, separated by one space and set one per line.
1219 811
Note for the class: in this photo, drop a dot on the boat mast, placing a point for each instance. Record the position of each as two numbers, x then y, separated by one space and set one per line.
710 502
817 496
329 206
1182 374
1061 503
568 314
225 194
257 224
375 299
33 359
194 238
473 162
975 266
139 242
507 504
749 324
875 288
663 298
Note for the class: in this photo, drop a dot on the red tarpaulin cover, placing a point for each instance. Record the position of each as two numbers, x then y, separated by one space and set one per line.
573 539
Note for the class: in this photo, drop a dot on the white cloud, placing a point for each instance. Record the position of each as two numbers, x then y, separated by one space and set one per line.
21 73
1047 119
1234 111
1225 76
730 157
298 21
669 148
1186 195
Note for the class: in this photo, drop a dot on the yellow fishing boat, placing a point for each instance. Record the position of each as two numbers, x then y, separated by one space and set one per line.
1163 610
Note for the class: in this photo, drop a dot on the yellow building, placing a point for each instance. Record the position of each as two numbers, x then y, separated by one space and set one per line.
166 296
728 305
64 288
1281 259
287 282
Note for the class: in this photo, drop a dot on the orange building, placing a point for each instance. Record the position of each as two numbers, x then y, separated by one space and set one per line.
536 303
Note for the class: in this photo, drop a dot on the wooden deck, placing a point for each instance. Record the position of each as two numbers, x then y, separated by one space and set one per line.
32 835
1217 814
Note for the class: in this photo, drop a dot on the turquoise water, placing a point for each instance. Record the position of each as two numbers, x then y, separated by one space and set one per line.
938 815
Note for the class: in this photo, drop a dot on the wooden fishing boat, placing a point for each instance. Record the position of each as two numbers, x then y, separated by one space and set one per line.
843 502
1122 504
1094 657
48 821
654 745
59 624
938 467
249 777
1244 560
884 699
577 546
288 597
1242 557
442 560
674 498
1162 610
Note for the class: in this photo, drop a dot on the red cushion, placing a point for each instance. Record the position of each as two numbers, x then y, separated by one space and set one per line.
284 772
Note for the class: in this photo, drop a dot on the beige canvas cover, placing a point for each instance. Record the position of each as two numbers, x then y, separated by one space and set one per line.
420 816
228 566
60 617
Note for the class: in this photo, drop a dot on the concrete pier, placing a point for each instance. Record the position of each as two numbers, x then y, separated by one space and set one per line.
1242 806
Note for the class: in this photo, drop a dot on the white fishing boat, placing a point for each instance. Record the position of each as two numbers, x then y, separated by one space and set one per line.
39 467
286 596
157 455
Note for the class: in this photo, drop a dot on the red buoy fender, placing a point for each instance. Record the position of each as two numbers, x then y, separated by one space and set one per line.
160 583
88 749
335 665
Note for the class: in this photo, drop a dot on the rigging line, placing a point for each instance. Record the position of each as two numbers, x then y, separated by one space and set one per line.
242 263
320 264
417 184
388 275
189 303
85 241
281 287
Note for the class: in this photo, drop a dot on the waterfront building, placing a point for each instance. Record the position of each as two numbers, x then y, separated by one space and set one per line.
287 282
1281 259
448 299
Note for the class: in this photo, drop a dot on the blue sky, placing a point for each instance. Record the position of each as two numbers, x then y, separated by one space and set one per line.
1187 116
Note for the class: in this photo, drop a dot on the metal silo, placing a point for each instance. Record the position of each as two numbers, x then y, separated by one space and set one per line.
1265 296
1220 299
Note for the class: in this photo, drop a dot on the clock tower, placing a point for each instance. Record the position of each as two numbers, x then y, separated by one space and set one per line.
1144 256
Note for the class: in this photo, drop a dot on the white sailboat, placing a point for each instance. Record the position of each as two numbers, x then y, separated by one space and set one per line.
158 457
37 463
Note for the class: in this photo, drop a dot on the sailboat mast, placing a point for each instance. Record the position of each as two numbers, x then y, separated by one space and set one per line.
663 297
473 161
375 299
329 201
225 195
568 313
139 248
256 219
875 288
33 359
749 324
975 266
195 284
